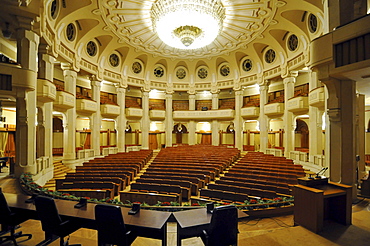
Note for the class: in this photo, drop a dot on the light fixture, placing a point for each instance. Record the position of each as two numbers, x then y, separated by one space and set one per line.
187 24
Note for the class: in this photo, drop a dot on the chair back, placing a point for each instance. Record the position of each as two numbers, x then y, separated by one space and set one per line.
110 225
223 229
5 211
47 213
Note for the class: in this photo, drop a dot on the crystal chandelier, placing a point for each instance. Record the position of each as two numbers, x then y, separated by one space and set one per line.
187 24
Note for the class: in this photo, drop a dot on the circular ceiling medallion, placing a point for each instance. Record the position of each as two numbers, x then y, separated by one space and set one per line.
114 60
136 67
202 73
312 23
180 73
71 32
270 56
292 42
225 70
247 65
91 48
158 72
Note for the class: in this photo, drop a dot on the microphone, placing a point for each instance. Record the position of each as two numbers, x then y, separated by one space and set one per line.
322 171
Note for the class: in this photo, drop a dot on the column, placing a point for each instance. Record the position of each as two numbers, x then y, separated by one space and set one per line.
121 120
263 119
168 120
289 124
341 106
95 120
46 72
215 125
192 135
69 123
238 120
315 123
27 46
191 102
192 124
145 122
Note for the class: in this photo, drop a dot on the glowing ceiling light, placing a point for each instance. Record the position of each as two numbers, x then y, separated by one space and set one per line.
187 24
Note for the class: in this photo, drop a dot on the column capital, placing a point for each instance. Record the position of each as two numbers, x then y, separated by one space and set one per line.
168 96
239 93
121 90
264 88
94 82
192 96
290 79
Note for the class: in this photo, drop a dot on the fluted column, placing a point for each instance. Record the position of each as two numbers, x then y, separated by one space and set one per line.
289 124
168 120
121 120
263 119
95 120
27 46
238 120
69 124
145 122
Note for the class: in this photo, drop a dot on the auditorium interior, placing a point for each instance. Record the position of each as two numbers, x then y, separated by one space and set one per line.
242 102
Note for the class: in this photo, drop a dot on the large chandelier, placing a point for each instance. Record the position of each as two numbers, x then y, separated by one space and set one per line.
187 24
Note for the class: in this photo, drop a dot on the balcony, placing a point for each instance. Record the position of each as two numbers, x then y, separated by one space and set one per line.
317 97
298 105
155 114
46 91
250 113
222 114
86 106
64 100
109 110
134 112
274 109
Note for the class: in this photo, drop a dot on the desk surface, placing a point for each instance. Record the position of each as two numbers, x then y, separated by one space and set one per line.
145 218
197 217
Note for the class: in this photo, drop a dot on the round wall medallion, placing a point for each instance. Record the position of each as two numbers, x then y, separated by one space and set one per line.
136 67
180 73
158 72
247 65
91 48
225 70
114 60
54 9
312 23
71 31
270 56
202 73
293 42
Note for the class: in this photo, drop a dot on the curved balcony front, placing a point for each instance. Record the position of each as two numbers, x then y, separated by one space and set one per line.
250 113
317 97
274 109
298 105
64 100
134 113
155 114
109 110
86 106
46 91
221 114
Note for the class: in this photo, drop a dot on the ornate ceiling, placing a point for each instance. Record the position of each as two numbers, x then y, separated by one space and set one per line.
245 20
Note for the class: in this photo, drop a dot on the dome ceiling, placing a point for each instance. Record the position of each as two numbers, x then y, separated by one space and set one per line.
245 20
